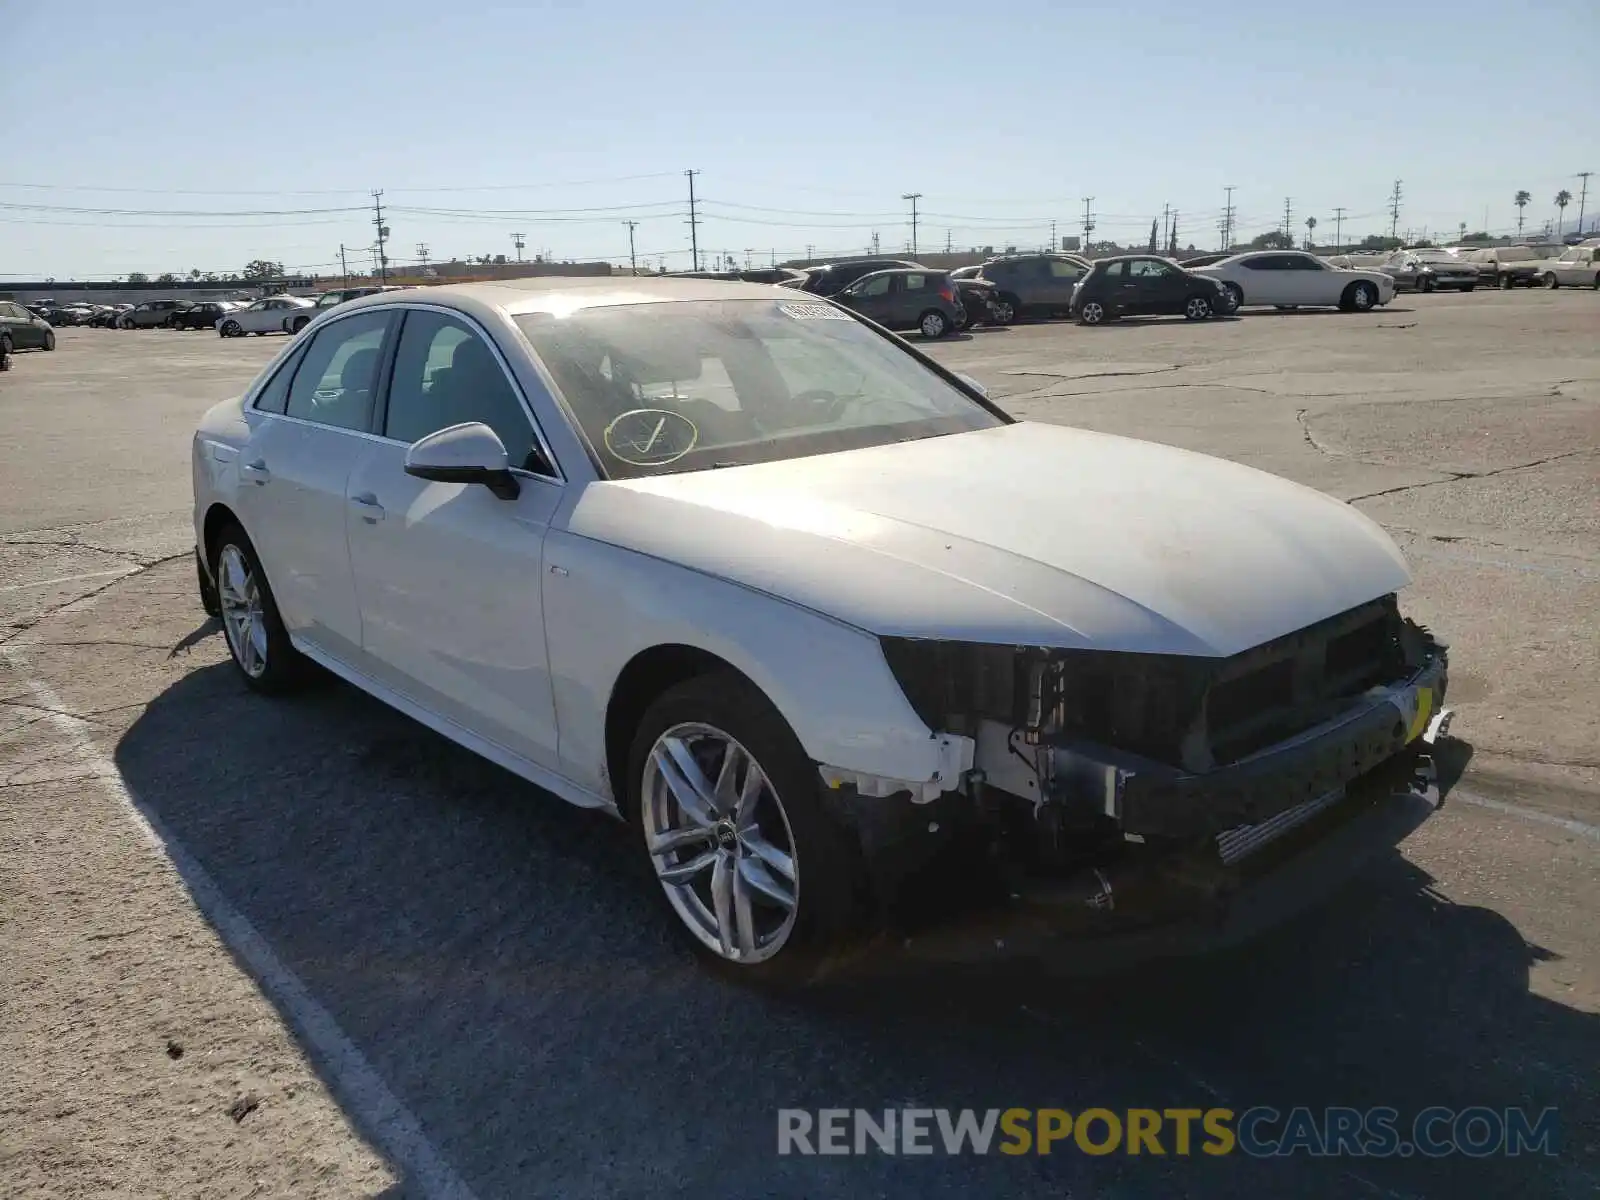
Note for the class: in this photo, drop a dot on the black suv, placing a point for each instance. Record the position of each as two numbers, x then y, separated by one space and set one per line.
835 277
204 315
1144 285
1033 284
907 299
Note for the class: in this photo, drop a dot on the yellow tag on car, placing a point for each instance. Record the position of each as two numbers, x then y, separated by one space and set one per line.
1424 711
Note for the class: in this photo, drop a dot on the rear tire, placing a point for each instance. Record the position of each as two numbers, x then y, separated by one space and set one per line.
1469 287
1425 284
933 324
257 641
706 718
296 324
1093 312
5 352
230 329
1237 294
1007 309
50 339
1505 283
1551 282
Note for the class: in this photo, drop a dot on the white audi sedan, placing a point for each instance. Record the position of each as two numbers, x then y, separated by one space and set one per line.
275 314
1295 279
800 605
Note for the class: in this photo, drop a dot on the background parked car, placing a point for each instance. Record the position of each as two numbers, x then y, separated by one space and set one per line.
1425 270
109 315
906 299
1295 279
22 330
980 302
1034 284
1144 285
275 314
1510 266
835 277
204 315
298 321
1578 266
150 314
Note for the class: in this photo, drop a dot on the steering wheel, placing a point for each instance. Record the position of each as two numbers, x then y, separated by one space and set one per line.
831 404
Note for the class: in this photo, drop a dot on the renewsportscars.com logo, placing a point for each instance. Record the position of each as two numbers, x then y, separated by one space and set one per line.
1261 1132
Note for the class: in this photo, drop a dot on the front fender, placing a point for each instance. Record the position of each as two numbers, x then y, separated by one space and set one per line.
604 605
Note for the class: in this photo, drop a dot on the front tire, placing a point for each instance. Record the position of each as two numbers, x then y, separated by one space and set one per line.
1425 284
1551 282
1506 283
1468 287
1197 308
1360 297
728 810
257 640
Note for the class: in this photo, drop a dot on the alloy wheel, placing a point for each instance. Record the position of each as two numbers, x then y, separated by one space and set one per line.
1004 314
243 615
1092 313
1361 297
1198 308
720 841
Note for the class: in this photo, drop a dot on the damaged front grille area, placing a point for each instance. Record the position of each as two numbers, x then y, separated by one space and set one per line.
1191 713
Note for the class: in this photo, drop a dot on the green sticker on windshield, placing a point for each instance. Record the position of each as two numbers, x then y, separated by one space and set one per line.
814 312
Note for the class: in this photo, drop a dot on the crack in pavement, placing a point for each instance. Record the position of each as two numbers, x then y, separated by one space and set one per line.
139 568
1473 539
1457 476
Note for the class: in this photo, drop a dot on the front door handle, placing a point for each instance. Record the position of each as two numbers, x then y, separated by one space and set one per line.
371 510
256 470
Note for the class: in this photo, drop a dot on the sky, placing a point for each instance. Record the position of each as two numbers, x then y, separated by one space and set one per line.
176 136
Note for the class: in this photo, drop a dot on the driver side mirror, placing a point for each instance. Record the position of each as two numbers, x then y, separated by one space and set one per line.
468 453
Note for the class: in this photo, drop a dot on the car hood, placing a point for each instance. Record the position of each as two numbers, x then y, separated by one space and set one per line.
1026 534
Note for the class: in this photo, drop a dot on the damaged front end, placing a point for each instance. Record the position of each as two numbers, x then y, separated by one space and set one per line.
1103 782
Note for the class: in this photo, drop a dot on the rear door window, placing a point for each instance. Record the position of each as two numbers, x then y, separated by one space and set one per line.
337 375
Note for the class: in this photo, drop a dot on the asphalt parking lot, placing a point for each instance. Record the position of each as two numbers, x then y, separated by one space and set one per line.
307 948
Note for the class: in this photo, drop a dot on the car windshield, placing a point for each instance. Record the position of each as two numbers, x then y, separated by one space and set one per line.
663 388
1436 256
1517 254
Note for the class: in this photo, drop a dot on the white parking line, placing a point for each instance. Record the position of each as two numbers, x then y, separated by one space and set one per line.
355 1083
1581 828
39 583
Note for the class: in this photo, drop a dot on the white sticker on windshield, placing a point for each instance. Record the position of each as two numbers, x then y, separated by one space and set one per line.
814 312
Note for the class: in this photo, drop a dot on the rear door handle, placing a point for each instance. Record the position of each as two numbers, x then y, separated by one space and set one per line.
371 510
256 469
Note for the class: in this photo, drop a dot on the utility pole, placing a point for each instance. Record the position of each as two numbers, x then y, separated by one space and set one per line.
947 236
1227 218
811 251
1088 221
1394 210
1288 219
344 267
1338 229
1055 242
1172 236
422 254
1583 195
1166 223
633 259
383 235
874 241
913 197
519 243
694 224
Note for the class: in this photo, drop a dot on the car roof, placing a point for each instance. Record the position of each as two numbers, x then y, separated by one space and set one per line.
568 294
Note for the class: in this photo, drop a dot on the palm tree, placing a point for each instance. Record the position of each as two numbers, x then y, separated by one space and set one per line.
1311 231
1522 201
1563 198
